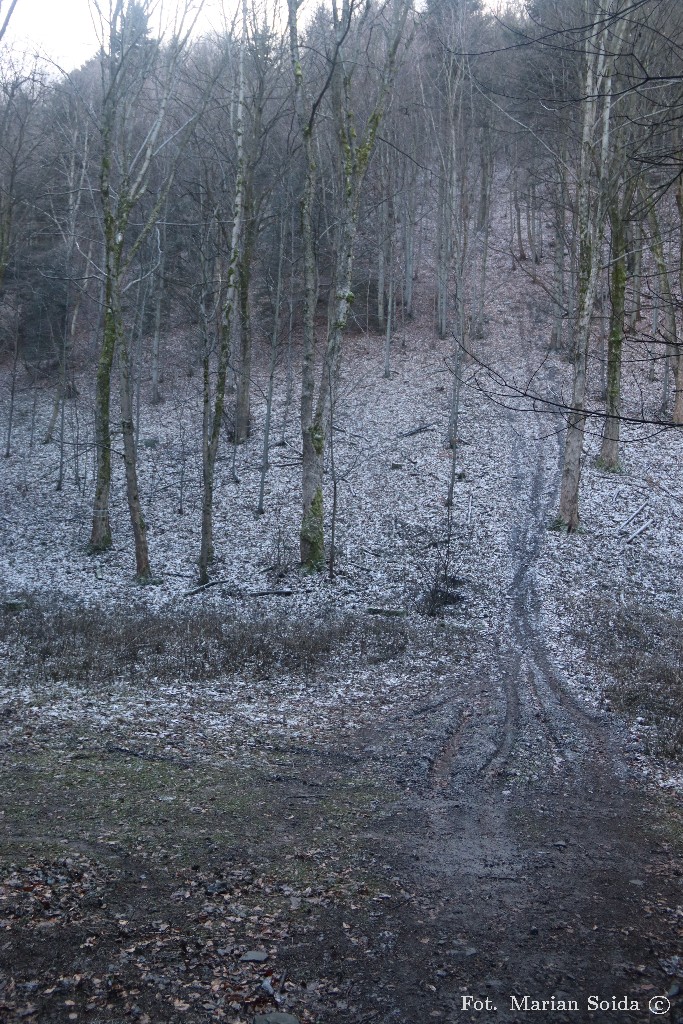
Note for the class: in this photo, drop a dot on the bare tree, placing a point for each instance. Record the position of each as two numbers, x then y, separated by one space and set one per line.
138 74
604 39
213 419
354 145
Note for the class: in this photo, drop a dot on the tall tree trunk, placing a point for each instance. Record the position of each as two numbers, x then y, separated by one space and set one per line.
677 415
100 535
444 230
13 391
243 397
124 179
652 360
289 375
558 308
311 536
206 550
353 154
156 337
274 344
409 258
486 178
381 258
532 227
137 520
480 310
521 255
667 301
590 206
636 241
212 424
390 317
609 453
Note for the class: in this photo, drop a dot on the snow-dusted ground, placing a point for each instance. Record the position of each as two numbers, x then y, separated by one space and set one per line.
391 528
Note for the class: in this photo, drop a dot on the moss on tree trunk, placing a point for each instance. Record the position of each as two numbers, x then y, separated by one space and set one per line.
312 534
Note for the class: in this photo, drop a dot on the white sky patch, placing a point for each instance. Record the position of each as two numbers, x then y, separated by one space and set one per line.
61 32
67 33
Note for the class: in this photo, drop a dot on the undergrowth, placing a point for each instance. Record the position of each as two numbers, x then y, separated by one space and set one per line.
642 650
83 645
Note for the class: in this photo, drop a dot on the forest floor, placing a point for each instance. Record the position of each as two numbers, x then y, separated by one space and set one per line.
453 771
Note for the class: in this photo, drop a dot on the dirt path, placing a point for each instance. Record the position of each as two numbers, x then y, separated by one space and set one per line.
539 869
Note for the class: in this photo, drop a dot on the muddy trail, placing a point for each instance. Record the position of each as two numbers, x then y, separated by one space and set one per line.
544 880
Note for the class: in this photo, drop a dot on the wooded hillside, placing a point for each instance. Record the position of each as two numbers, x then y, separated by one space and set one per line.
230 210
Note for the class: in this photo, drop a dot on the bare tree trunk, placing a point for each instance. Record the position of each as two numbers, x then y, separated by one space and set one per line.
13 391
271 371
655 327
124 179
212 425
100 535
206 551
137 520
409 258
667 301
636 239
68 349
444 229
521 255
156 337
243 397
454 421
138 337
531 226
573 450
289 382
353 154
677 415
598 84
311 536
390 311
381 258
556 335
609 453
56 406
486 179
478 318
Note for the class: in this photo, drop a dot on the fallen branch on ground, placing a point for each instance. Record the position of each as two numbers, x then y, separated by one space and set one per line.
427 428
638 532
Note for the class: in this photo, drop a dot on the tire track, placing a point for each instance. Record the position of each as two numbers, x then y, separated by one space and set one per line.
539 711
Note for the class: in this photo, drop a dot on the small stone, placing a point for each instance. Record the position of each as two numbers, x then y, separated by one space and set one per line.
636 881
254 956
560 844
674 991
276 1017
217 888
533 930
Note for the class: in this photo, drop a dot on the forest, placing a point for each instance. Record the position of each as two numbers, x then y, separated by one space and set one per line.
341 399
